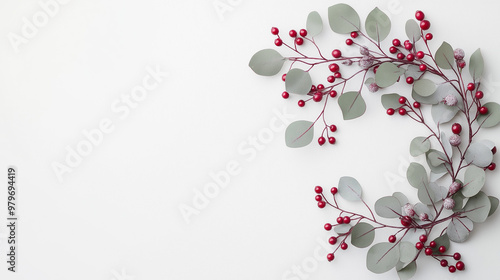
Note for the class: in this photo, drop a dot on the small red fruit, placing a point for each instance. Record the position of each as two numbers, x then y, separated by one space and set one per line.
343 246
396 42
336 53
402 100
283 77
471 86
419 245
419 15
409 80
479 94
333 128
406 221
492 166
483 110
340 220
337 75
334 67
402 111
456 128
333 93
428 36
457 256
292 33
428 251
285 95
393 50
423 238
317 97
494 150
420 54
416 104
400 56
354 34
332 240
442 249
301 103
452 269
330 79
318 197
328 226
422 67
334 190
433 244
390 111
444 263
299 41
318 189
303 32
410 57
330 257
278 42
275 31
460 265
392 238
321 140
347 220
409 46
425 24
349 42
332 140
321 204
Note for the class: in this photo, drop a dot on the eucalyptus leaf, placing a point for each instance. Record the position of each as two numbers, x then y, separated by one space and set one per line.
474 179
408 271
387 74
459 199
390 100
459 229
382 257
492 118
478 207
342 228
412 30
298 81
434 176
442 113
369 81
422 208
299 134
377 25
413 71
479 155
352 105
476 65
407 252
267 62
419 146
446 144
314 24
350 189
494 205
424 87
343 19
443 240
401 197
435 158
429 193
444 56
488 143
388 207
416 175
362 235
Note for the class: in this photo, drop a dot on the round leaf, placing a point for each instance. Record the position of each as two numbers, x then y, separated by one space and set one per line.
443 240
458 229
407 252
424 87
422 208
350 189
298 81
377 25
444 56
342 228
414 72
429 193
494 205
476 65
387 74
442 113
419 145
382 257
401 198
388 207
459 201
299 134
492 118
412 30
352 105
267 62
479 155
478 207
390 101
362 235
314 24
474 179
343 19
408 271
416 175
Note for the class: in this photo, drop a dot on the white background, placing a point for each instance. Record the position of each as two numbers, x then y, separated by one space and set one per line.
116 215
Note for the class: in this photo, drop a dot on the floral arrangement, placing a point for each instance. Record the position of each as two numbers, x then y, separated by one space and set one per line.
448 103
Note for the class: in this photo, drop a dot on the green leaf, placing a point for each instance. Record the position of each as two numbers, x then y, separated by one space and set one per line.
459 201
412 30
401 198
342 228
444 56
362 235
419 145
442 113
494 205
443 240
478 207
314 24
391 100
459 229
474 179
343 19
492 118
424 87
476 65
413 71
387 74
352 105
435 158
422 208
388 207
377 25
429 193
267 62
407 252
416 175
298 81
479 155
382 257
408 271
349 189
299 134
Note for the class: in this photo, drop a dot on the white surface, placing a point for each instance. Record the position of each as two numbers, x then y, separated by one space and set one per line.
117 213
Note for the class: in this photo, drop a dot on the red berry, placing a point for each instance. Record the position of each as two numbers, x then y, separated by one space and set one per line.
402 100
317 97
392 238
460 265
285 95
494 150
492 166
423 238
334 67
328 226
321 204
343 246
332 140
420 54
406 221
283 77
332 240
334 190
337 75
333 93
313 88
320 87
330 257
349 42
410 57
462 64
396 42
347 220
275 31
428 36
303 32
479 95
425 24
292 33
299 41
419 245
444 263
390 111
452 269
416 104
457 256
428 251
340 220
456 128
301 103
354 34
278 42
336 53
483 110
393 50
321 140
433 244
402 111
318 197
442 249
406 42
375 69
333 128
400 56
318 189
409 80
409 46
471 86
419 15
422 67
330 79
